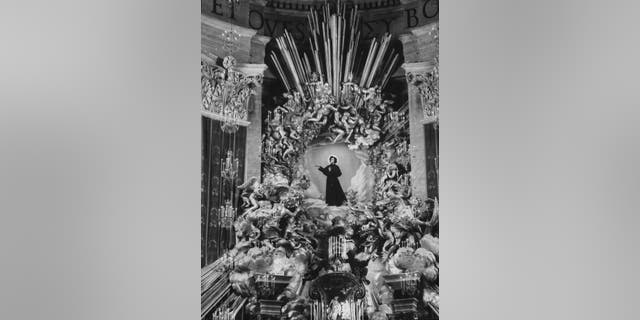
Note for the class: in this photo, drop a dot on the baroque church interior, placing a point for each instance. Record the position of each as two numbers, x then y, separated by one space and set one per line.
319 159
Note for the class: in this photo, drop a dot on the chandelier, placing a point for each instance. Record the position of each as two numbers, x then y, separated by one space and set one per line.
226 93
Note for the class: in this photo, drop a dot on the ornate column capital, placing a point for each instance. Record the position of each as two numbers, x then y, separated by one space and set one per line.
424 76
226 90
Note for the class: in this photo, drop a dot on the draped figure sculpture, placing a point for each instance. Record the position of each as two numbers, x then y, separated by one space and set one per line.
334 196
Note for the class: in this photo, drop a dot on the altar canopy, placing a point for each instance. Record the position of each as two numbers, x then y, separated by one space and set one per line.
293 254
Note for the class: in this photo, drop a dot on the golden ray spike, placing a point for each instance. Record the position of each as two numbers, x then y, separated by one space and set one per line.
389 72
282 75
290 64
376 61
368 62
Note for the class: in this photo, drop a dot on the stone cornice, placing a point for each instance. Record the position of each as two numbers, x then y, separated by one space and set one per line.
262 39
223 25
208 57
417 67
305 6
251 69
219 117
424 30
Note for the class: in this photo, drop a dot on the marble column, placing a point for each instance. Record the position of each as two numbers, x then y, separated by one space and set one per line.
253 161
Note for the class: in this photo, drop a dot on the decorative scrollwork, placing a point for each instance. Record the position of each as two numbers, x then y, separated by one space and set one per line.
315 293
359 291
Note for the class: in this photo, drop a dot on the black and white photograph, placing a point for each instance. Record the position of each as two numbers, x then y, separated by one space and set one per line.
336 146
320 180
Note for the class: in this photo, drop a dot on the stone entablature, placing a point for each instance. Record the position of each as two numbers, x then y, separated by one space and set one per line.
271 17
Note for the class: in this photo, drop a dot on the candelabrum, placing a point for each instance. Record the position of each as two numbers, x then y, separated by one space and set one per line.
227 214
229 166
225 314
337 249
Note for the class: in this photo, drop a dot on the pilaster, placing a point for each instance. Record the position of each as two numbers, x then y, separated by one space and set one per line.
420 47
253 161
416 131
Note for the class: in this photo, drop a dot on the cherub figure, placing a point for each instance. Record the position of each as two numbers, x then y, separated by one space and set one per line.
344 125
291 149
294 132
371 93
321 116
247 189
258 193
279 114
379 111
373 131
281 132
